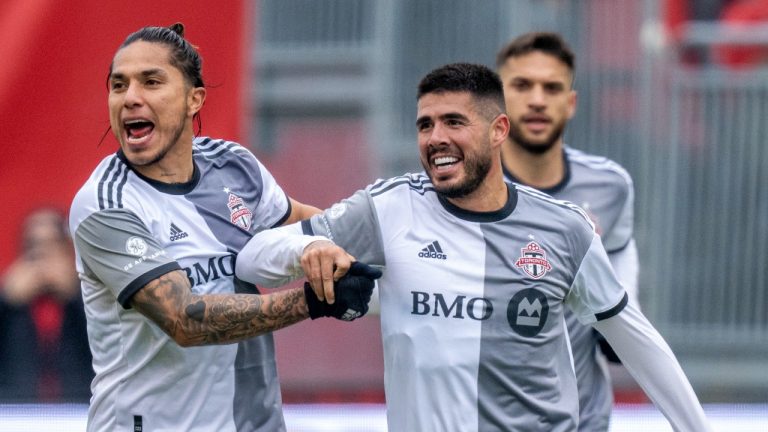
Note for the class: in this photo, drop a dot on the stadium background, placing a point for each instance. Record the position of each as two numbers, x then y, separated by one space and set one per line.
323 92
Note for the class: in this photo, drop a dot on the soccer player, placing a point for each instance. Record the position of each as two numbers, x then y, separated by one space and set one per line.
157 228
478 273
537 70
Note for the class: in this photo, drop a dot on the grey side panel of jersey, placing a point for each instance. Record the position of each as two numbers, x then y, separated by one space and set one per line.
531 401
119 250
258 404
211 200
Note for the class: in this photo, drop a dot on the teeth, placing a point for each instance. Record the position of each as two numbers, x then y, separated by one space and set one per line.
445 160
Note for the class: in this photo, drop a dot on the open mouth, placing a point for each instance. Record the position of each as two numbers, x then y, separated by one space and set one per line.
445 161
136 130
536 121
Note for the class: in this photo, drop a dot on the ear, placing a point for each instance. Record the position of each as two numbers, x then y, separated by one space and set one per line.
195 100
499 129
572 97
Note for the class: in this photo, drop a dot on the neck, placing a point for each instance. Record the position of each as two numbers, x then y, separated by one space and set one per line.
490 196
175 166
538 170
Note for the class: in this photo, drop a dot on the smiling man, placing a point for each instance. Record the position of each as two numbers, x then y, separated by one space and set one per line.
178 342
477 276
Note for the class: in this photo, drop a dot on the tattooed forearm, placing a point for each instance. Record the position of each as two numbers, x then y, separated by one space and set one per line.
192 319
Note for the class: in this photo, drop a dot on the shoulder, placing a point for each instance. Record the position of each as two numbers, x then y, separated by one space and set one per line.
606 170
104 188
218 151
417 183
566 212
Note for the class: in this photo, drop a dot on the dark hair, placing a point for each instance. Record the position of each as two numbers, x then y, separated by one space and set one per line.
184 56
548 43
478 80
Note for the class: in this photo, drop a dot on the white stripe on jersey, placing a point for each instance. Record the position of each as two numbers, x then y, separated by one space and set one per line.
417 182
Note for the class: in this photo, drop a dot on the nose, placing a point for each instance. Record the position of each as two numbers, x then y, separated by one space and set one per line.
537 97
438 135
133 95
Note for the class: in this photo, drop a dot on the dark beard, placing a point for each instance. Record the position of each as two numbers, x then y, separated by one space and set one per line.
476 169
165 149
535 147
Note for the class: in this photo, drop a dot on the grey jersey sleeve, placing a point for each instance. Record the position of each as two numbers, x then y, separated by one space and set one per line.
117 249
626 265
271 257
353 225
620 235
596 293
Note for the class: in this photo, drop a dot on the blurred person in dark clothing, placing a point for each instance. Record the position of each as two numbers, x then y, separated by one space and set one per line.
44 353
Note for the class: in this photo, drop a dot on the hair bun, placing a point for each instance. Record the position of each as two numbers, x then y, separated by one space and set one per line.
177 28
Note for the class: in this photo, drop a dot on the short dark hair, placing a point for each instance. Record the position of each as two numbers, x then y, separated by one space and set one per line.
548 43
481 82
184 56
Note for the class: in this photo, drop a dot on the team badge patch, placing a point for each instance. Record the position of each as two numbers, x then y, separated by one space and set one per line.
238 212
136 246
533 261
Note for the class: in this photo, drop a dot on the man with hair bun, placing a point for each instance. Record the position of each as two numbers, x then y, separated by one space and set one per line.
178 342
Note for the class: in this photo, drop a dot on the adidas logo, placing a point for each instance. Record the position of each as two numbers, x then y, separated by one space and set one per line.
433 251
176 233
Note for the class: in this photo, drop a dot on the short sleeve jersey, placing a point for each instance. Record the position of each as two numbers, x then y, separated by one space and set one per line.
604 190
129 230
472 303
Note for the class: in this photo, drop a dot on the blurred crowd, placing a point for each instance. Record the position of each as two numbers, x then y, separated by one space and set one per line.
44 353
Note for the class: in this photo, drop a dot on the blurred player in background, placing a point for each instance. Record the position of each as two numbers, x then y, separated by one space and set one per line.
537 71
477 276
157 228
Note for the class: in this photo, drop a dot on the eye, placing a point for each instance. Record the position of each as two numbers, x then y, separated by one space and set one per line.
553 88
521 85
152 82
423 126
116 85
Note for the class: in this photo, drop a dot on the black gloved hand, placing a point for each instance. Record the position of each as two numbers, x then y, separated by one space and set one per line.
353 292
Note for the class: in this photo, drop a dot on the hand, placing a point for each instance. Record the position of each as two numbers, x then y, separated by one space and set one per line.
353 293
22 282
323 263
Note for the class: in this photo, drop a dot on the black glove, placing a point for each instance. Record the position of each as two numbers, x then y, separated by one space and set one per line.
353 292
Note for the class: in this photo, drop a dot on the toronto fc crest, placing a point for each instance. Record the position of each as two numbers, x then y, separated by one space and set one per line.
534 261
238 212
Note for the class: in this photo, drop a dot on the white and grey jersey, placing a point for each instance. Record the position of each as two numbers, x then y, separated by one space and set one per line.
604 190
472 303
129 230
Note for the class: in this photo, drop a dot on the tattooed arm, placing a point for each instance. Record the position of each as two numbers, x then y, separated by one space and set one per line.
192 319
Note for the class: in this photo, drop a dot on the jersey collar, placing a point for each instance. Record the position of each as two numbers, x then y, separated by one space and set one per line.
169 188
552 190
493 216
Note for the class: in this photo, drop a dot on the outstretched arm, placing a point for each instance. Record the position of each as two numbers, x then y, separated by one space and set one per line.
277 256
192 319
651 362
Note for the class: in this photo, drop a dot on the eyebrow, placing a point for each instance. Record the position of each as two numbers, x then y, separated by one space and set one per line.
144 73
447 116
